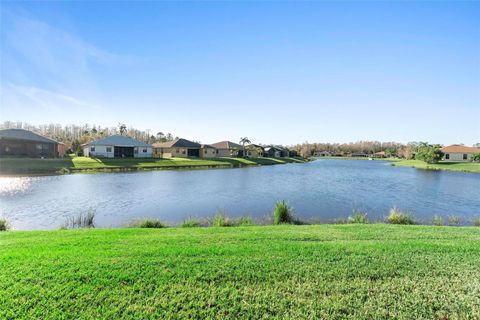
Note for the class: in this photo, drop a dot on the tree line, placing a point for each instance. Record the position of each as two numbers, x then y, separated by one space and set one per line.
75 135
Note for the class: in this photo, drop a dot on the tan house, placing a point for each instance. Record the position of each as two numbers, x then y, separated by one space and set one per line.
178 148
457 152
254 151
228 149
207 151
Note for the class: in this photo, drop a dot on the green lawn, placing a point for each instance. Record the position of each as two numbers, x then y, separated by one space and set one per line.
451 166
75 164
283 272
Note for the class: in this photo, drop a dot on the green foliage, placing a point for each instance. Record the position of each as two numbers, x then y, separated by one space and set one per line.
429 153
244 221
4 224
83 220
221 220
396 216
358 217
453 220
438 220
476 157
190 223
282 213
150 223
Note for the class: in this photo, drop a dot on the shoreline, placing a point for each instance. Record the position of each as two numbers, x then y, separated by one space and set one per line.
21 167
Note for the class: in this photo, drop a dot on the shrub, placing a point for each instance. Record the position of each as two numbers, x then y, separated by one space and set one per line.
437 220
476 221
221 220
244 221
453 220
396 216
150 223
282 213
190 223
81 221
4 225
358 217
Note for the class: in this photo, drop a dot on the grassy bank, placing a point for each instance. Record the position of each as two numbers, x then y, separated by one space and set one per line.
296 272
473 167
86 164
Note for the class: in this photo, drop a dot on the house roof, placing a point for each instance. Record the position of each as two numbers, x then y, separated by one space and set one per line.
380 153
177 143
205 146
118 140
457 148
226 145
22 134
254 146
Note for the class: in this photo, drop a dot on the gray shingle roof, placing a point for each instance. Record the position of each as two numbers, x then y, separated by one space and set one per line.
22 134
118 140
177 143
226 145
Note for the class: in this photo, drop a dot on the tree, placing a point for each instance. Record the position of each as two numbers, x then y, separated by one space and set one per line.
429 153
244 141
122 128
476 157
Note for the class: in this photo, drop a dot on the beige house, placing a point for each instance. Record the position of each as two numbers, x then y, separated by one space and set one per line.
254 151
457 152
228 149
178 148
207 151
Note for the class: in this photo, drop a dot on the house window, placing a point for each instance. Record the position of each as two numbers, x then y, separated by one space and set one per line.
447 156
183 151
39 146
144 150
178 150
92 149
205 151
216 151
465 156
109 149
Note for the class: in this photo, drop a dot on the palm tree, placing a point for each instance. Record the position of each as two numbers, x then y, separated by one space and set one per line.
244 141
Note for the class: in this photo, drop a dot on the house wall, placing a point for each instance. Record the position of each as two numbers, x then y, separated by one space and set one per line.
170 152
108 152
224 153
208 153
457 157
253 153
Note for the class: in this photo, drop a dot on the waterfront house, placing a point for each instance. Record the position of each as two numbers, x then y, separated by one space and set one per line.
380 154
208 151
178 148
228 149
273 152
117 146
25 143
457 152
323 154
254 151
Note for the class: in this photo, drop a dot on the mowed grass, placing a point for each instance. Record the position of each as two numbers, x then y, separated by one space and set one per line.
259 272
451 166
74 164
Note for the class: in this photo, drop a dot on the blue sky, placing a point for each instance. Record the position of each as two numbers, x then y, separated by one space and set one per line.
277 72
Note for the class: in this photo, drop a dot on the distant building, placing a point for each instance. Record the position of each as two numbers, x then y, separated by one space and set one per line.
117 146
457 152
276 152
254 151
179 148
24 143
323 154
380 154
228 149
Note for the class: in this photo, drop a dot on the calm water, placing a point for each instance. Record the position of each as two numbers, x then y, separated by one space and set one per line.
323 189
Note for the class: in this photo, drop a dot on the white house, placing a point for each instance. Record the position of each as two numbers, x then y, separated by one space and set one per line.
117 146
457 152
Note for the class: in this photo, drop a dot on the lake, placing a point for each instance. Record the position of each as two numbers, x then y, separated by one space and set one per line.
323 189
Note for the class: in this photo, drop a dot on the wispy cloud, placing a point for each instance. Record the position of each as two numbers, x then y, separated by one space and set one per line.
48 68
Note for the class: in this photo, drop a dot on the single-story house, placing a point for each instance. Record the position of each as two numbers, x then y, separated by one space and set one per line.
254 150
457 152
380 154
275 152
359 154
178 148
25 143
208 151
228 149
323 154
117 146
292 153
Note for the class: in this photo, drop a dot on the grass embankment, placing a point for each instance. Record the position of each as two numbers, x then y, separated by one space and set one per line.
450 166
296 272
86 164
